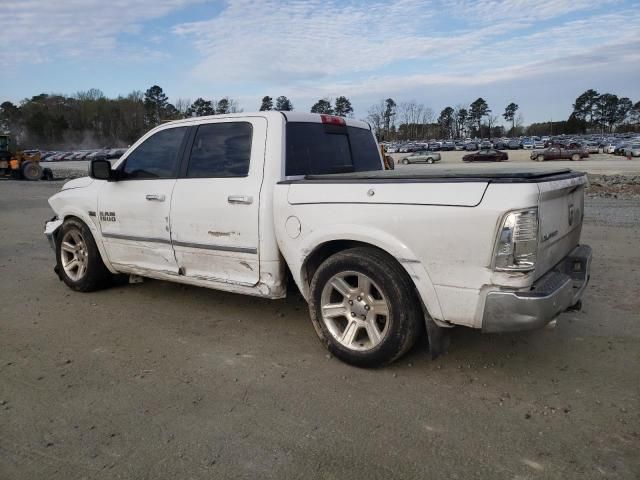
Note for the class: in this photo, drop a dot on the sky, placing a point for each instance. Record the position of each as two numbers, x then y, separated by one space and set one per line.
538 54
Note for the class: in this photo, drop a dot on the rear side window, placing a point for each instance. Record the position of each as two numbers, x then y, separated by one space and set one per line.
157 156
221 150
316 149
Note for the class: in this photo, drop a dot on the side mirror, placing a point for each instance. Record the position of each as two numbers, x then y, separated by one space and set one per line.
101 170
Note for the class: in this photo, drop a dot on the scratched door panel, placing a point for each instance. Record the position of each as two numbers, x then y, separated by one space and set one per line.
137 234
214 220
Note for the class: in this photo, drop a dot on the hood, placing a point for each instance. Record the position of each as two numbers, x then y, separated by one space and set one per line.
78 183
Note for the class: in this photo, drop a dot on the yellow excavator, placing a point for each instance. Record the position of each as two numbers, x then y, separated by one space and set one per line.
20 165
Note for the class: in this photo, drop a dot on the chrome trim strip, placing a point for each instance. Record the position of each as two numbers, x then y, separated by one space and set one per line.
134 238
222 248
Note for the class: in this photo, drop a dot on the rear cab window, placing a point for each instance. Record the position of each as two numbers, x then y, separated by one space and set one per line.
318 148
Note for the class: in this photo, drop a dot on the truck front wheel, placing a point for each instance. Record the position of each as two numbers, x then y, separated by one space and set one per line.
79 263
364 307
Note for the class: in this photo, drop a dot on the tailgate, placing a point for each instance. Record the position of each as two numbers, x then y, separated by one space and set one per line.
561 210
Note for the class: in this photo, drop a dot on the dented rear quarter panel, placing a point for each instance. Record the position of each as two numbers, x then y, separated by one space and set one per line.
443 234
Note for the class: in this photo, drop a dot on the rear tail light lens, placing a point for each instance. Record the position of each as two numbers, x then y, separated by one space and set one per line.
517 243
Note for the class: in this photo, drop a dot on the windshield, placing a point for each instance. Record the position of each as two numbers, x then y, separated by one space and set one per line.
316 149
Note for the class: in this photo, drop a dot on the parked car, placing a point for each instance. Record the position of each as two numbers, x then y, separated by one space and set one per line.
592 147
499 144
433 146
609 147
633 150
97 155
379 255
620 148
471 146
538 144
421 157
527 144
448 146
118 152
486 155
513 144
459 146
558 152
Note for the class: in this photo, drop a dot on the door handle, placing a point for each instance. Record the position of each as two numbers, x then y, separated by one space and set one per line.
155 196
244 199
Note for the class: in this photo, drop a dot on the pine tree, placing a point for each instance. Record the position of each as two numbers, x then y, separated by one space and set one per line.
283 104
200 108
267 103
322 106
155 105
343 107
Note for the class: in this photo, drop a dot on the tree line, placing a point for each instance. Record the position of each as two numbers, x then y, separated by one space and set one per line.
412 120
592 113
90 119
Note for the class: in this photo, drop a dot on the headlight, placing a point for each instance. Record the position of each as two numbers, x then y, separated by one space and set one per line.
517 242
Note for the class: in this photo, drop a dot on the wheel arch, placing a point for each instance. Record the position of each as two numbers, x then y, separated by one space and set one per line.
410 265
95 231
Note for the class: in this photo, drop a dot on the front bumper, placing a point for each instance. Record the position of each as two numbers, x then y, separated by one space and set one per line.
555 292
50 229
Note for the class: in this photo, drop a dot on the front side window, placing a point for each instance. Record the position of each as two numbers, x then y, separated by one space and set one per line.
221 150
156 157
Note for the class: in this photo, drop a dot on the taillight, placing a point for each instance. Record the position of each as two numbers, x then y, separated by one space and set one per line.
332 120
517 243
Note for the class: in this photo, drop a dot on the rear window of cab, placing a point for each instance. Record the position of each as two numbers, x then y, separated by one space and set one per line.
317 149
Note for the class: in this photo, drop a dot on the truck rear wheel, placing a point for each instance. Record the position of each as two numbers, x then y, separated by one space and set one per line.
31 171
540 158
79 263
575 157
364 307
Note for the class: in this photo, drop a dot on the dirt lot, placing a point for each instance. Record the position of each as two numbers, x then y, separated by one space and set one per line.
159 380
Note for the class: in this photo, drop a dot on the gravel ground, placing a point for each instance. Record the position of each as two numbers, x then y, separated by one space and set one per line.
159 380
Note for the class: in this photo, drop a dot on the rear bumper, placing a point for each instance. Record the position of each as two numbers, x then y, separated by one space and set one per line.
555 292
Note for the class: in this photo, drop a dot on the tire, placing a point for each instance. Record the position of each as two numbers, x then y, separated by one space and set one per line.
352 330
75 241
575 157
31 171
405 161
429 160
540 158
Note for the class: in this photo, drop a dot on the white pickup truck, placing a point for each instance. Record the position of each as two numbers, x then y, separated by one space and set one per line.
244 202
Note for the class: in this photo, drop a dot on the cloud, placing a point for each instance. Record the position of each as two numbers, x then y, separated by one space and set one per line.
307 44
296 40
531 10
38 31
